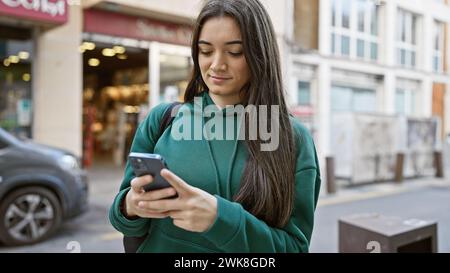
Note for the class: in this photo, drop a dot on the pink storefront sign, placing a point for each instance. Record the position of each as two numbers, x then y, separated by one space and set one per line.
48 11
122 25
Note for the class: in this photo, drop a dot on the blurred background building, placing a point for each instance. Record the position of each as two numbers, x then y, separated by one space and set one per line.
78 74
369 78
373 78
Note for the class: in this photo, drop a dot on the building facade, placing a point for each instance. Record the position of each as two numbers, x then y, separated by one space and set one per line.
86 83
62 58
388 57
94 68
20 24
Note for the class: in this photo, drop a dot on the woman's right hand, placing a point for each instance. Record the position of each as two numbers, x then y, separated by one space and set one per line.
137 194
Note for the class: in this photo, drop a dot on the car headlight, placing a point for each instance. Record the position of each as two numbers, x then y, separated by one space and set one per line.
69 162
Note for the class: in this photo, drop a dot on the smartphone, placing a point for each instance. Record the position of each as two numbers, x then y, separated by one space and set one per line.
152 164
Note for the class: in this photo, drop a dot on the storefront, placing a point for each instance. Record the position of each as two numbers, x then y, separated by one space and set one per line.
130 64
16 53
19 21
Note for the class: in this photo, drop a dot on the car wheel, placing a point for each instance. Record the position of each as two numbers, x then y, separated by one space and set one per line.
29 215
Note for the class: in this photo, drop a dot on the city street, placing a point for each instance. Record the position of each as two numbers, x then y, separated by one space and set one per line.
91 230
82 83
425 199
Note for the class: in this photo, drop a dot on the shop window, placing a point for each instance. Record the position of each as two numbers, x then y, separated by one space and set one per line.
350 99
115 98
16 54
175 72
405 101
400 107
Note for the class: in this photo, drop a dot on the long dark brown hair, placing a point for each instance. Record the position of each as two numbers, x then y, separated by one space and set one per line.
267 184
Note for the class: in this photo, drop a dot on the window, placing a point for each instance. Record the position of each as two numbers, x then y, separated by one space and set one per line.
304 93
406 38
357 38
367 31
405 101
345 45
438 47
340 36
346 8
333 13
174 72
406 97
400 107
350 99
360 48
16 56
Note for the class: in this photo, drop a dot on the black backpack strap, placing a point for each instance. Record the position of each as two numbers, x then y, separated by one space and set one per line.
169 116
131 244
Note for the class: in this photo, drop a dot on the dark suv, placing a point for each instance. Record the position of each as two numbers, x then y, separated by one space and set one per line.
40 186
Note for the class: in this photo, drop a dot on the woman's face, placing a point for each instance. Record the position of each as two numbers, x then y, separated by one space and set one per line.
221 57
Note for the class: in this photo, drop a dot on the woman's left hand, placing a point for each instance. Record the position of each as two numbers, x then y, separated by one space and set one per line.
193 209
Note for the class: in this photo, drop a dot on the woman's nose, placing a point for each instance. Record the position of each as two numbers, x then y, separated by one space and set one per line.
218 63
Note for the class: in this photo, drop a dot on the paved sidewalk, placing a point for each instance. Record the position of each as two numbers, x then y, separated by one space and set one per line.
373 190
424 198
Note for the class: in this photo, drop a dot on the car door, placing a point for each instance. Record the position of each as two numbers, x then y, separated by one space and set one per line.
3 157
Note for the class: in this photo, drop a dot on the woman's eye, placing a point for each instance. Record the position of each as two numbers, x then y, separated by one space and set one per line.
206 53
235 54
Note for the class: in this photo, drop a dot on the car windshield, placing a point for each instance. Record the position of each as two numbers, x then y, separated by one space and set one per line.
7 138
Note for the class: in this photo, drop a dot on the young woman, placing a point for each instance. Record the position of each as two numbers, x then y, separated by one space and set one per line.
232 195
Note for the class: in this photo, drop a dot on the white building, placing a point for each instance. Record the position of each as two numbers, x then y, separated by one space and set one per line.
387 57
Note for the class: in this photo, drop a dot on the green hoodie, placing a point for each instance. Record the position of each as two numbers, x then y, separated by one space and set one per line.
216 166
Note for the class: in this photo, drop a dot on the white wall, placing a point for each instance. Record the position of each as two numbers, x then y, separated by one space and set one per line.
281 15
57 85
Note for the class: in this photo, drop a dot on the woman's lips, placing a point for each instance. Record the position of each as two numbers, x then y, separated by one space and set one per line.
219 80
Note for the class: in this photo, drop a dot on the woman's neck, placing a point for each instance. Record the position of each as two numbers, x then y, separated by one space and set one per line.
222 101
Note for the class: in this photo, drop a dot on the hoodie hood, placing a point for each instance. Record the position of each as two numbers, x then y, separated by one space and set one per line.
204 100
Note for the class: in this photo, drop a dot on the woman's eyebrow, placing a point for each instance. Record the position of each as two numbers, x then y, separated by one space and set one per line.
204 42
227 43
234 42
